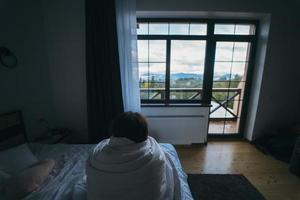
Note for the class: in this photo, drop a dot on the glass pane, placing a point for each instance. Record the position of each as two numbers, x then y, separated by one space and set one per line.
216 127
234 29
179 29
233 106
144 94
222 84
239 85
198 29
231 127
221 95
244 30
157 51
234 68
142 29
152 80
224 51
143 72
187 67
157 80
241 51
158 71
238 71
224 29
228 112
228 84
217 111
183 94
222 71
143 79
143 50
228 97
158 28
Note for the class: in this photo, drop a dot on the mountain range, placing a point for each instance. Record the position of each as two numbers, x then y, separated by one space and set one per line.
176 76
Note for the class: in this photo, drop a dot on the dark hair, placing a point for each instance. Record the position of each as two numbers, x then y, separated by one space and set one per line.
131 125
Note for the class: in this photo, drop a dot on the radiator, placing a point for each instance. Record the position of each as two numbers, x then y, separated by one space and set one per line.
178 125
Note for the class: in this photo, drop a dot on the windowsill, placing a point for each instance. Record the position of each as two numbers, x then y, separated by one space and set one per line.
175 105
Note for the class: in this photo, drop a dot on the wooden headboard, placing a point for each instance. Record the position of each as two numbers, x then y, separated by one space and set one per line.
12 130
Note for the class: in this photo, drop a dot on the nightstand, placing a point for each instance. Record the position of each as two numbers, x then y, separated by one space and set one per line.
54 136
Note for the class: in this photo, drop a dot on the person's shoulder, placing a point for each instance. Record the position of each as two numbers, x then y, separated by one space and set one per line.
151 139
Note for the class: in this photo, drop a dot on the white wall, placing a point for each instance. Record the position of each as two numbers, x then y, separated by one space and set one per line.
48 38
64 25
278 103
261 49
27 87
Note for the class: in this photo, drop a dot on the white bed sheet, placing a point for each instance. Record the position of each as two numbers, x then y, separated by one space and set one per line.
68 180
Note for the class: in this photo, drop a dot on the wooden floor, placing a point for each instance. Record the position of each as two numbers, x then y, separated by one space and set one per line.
271 177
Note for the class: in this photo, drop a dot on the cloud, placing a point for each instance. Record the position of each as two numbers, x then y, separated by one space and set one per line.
230 67
188 56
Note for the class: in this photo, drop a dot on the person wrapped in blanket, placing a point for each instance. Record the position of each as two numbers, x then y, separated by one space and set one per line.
130 165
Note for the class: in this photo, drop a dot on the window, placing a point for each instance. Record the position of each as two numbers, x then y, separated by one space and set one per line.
192 60
152 69
187 69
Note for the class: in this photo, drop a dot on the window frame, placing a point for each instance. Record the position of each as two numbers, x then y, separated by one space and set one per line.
211 40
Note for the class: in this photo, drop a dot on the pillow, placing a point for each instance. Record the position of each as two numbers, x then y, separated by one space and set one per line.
29 180
15 159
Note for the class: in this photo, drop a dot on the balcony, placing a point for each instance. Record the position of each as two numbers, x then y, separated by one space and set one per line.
224 113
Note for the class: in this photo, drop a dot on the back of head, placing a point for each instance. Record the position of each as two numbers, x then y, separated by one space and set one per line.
130 125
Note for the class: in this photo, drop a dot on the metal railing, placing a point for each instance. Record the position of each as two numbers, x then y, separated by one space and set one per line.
232 94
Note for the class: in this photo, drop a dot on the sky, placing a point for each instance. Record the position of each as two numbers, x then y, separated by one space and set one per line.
187 56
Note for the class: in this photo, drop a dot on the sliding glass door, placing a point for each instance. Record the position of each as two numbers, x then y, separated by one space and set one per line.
231 64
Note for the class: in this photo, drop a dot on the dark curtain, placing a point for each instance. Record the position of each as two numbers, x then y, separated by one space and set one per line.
104 93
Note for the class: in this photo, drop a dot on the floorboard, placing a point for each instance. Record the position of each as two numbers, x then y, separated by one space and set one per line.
271 177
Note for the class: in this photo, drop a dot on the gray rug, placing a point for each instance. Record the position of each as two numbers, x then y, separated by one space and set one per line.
222 187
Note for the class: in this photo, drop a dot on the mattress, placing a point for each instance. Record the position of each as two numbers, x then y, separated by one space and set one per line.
68 179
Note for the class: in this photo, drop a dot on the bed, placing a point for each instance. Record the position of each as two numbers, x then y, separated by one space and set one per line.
67 180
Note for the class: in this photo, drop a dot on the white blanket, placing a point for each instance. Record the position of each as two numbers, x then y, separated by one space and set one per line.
121 169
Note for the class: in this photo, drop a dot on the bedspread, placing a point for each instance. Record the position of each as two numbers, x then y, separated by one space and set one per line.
68 179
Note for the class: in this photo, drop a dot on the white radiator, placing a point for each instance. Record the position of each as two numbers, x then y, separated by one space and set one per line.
178 125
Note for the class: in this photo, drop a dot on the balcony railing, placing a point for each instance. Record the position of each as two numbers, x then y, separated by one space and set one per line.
233 95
